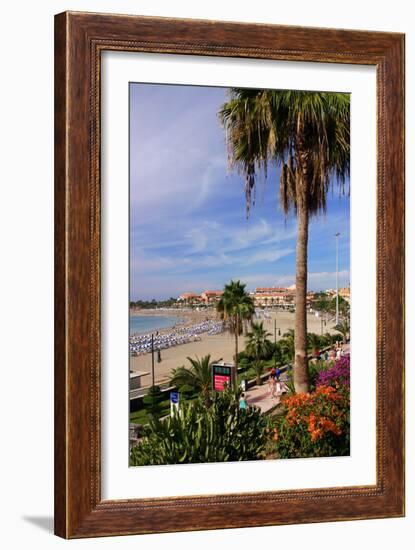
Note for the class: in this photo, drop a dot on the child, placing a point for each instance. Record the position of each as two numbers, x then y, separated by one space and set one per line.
242 402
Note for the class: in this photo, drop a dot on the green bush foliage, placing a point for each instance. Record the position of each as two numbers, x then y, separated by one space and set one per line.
219 433
152 401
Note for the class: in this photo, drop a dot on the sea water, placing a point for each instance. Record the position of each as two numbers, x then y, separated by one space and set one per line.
151 323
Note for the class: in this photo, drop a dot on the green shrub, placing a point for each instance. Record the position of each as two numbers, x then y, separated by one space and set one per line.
153 399
314 369
277 354
198 434
244 363
290 384
242 356
187 392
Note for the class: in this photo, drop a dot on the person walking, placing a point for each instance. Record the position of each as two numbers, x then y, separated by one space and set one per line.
242 402
271 386
279 389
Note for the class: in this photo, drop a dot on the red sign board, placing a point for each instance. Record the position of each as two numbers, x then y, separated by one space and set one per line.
219 381
222 374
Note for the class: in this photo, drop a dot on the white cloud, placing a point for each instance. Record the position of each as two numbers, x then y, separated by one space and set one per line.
188 230
268 255
209 245
178 163
327 279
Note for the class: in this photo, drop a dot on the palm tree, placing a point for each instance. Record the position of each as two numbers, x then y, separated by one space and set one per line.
259 368
308 135
328 338
258 344
313 341
257 347
289 334
235 308
287 344
277 354
198 376
344 328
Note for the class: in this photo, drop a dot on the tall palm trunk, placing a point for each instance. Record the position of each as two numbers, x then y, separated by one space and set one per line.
308 133
300 336
301 381
258 375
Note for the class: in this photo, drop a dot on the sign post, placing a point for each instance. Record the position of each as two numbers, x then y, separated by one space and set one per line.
223 376
174 402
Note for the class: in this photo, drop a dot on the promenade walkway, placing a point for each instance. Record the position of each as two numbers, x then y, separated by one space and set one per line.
260 397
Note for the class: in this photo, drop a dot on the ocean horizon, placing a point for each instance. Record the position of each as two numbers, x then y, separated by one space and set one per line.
151 323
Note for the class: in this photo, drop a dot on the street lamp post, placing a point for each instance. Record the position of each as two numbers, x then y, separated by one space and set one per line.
337 277
275 340
152 359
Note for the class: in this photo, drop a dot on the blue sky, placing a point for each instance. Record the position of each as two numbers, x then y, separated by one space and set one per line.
188 226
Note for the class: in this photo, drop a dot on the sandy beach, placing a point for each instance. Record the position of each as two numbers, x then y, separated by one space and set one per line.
220 346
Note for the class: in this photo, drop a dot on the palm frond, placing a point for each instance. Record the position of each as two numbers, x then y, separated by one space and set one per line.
262 127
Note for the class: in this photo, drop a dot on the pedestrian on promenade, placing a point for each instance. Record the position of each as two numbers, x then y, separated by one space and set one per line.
242 402
279 389
271 386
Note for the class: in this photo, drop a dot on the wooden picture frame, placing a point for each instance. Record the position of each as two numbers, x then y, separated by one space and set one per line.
79 40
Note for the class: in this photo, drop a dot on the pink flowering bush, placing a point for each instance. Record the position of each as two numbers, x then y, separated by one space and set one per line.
337 375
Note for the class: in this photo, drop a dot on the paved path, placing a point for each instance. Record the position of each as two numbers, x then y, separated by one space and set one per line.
259 396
